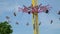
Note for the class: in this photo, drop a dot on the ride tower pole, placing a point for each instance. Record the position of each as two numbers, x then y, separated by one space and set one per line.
35 17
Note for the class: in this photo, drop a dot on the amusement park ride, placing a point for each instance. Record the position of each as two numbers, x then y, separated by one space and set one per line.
34 9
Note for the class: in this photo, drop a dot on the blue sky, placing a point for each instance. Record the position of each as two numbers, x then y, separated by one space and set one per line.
7 7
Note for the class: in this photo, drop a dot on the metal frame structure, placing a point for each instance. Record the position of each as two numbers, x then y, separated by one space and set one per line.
35 9
35 18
